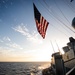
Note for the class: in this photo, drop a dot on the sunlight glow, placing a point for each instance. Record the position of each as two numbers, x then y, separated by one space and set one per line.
41 54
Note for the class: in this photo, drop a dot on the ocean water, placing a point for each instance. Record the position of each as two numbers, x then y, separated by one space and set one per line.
22 68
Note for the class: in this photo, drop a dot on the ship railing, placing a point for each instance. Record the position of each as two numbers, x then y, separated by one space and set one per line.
71 72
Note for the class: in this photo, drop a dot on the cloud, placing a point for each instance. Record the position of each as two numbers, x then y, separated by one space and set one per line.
14 45
1 40
4 50
7 42
6 39
9 49
24 31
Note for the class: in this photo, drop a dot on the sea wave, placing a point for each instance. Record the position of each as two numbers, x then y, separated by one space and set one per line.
21 68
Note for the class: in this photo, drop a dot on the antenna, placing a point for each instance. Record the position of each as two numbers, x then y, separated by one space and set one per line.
58 47
52 46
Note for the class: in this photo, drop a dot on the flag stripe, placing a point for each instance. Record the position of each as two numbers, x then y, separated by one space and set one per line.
41 23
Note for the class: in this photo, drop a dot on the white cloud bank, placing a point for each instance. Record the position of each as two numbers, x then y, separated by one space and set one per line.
7 42
24 31
6 39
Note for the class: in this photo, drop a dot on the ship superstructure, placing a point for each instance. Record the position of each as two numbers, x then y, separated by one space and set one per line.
63 64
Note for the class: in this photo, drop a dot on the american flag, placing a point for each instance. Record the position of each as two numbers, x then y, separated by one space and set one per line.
41 23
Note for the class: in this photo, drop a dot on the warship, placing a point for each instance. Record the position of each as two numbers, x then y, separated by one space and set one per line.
63 64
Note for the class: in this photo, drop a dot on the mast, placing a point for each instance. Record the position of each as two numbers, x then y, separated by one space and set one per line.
52 47
58 47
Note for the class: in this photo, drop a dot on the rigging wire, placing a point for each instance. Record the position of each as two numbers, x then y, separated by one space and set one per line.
61 21
61 12
69 6
52 10
59 30
55 20
52 15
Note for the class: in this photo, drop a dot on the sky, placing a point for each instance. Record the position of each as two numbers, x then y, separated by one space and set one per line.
19 38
